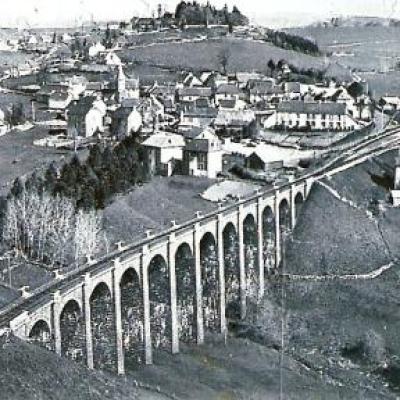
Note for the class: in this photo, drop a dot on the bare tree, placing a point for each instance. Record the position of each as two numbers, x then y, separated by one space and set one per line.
223 59
48 229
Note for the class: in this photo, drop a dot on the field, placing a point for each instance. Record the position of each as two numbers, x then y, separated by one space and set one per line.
368 50
154 206
245 55
19 157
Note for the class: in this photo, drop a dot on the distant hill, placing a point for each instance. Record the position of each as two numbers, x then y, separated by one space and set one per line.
357 22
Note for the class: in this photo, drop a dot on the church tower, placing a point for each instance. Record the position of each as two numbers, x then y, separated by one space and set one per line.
121 83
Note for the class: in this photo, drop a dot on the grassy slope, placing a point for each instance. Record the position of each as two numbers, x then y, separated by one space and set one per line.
245 55
29 372
241 370
373 47
154 206
324 318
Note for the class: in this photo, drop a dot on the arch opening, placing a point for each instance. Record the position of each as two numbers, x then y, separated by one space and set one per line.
232 272
298 202
210 282
40 334
160 303
269 239
102 317
250 243
284 224
186 293
72 327
132 317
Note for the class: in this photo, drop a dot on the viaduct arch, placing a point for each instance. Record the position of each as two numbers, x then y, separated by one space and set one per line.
170 288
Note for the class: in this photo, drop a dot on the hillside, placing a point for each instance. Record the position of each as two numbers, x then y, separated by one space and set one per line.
29 372
357 22
346 329
244 55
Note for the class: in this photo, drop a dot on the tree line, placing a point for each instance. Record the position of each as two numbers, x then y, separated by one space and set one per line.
53 217
92 183
193 13
293 42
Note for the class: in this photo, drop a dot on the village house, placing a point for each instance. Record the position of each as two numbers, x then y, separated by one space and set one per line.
215 80
226 92
125 122
265 90
86 117
390 103
260 161
166 91
4 126
235 124
95 49
195 114
293 90
188 80
202 154
59 100
243 78
188 94
143 24
163 152
111 59
297 115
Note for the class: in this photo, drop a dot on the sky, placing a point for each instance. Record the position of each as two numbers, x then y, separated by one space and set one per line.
35 13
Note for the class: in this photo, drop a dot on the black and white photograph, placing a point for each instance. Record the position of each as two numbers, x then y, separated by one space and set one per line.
200 200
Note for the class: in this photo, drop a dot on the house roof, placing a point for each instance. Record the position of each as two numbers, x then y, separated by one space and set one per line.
227 104
293 87
263 156
60 96
228 89
163 140
163 90
81 107
197 108
261 83
199 132
268 88
299 107
195 91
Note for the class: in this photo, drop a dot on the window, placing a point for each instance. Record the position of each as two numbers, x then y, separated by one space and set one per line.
158 157
202 161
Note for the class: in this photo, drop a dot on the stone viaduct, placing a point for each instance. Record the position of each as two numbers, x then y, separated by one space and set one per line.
172 287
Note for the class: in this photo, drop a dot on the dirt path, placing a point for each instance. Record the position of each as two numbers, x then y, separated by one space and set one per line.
348 277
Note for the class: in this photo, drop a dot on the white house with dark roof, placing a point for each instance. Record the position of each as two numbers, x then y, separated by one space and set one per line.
202 154
86 117
162 151
298 115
